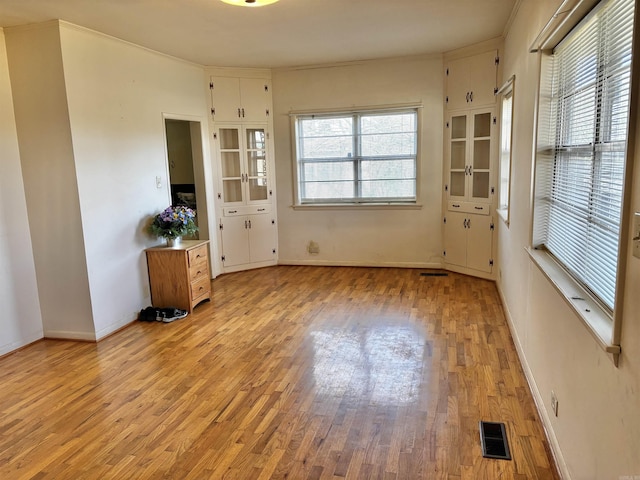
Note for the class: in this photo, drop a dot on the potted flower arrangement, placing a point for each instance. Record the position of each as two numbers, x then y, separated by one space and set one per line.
173 223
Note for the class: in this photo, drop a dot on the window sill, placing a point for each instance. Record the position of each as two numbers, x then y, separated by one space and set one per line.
358 206
503 213
596 318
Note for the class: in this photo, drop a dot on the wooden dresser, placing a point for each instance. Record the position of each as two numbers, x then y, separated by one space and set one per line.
179 276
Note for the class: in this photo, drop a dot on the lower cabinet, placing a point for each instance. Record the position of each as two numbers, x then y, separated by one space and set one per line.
179 276
468 241
248 238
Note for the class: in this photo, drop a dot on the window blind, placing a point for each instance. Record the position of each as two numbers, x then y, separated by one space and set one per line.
580 221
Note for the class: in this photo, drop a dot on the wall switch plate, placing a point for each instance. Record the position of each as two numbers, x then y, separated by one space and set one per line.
158 182
636 235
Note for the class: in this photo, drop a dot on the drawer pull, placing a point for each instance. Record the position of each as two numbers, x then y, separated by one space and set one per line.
261 209
455 206
233 211
479 208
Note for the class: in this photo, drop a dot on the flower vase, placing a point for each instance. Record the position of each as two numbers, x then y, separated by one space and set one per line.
174 242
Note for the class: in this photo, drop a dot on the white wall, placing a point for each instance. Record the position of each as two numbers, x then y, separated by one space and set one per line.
90 121
597 432
44 136
20 322
117 94
400 237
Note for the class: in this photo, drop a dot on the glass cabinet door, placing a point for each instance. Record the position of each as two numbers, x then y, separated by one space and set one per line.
256 164
230 160
458 156
481 162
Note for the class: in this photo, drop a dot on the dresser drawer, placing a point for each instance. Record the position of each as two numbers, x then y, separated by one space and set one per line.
200 287
198 256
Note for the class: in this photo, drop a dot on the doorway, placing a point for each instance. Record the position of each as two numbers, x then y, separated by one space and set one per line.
186 168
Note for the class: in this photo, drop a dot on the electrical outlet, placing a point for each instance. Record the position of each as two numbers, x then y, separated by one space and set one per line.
313 247
158 182
554 403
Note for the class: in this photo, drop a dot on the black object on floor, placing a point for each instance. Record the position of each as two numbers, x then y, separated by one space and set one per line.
434 274
493 437
166 315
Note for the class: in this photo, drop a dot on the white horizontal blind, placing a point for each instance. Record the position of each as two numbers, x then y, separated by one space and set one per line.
591 85
357 157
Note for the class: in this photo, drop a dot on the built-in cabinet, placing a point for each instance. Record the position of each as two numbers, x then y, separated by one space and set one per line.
468 240
242 146
470 160
470 155
236 99
243 164
248 235
472 81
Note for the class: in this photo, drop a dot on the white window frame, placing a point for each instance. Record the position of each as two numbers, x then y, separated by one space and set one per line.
603 323
507 96
358 202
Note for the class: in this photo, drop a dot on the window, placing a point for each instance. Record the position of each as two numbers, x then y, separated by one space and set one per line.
580 177
506 128
357 157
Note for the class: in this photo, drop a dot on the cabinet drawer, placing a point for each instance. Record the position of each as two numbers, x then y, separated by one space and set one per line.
470 207
198 256
246 210
200 287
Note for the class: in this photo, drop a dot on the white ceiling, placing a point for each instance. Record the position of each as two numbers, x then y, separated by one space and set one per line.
287 33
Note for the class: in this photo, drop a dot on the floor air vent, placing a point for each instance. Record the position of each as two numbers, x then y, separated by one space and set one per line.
434 274
493 437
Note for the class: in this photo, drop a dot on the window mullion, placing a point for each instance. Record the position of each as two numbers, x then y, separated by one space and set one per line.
357 148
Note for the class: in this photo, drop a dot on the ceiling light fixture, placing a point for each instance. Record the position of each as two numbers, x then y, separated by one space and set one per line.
250 3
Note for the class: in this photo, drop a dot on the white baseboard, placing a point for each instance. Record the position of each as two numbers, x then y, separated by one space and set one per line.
105 332
537 397
28 339
68 335
333 263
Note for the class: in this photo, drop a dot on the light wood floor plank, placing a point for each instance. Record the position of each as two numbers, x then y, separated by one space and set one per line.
288 373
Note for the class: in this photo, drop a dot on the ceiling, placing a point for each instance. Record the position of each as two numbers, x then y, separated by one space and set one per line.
287 33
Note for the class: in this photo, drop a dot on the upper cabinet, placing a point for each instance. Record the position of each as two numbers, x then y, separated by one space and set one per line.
470 154
244 166
472 81
240 99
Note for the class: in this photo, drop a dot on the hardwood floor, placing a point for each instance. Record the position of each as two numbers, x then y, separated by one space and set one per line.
289 372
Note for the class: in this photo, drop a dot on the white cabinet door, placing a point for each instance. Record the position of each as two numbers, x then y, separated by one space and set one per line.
235 241
455 239
479 242
248 238
261 238
468 241
470 156
255 96
244 165
225 99
471 81
240 99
